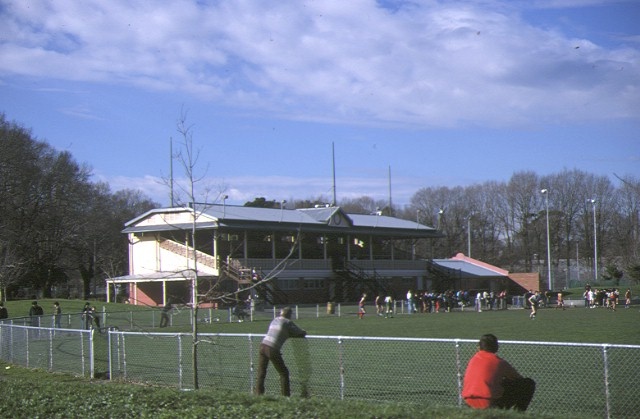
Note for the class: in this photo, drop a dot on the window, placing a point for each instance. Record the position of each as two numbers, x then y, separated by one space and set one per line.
313 284
288 284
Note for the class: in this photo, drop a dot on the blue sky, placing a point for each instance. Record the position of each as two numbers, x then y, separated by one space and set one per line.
439 93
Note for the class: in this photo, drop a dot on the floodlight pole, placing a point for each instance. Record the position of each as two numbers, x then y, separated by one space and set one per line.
469 234
595 242
545 192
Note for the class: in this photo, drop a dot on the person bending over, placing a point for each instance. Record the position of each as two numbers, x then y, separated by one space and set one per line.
490 381
280 329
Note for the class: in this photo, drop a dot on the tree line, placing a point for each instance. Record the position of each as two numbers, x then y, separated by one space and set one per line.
57 227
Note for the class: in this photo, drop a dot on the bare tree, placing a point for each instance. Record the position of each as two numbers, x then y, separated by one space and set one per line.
188 157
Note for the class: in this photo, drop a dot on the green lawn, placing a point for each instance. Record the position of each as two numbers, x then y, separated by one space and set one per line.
571 325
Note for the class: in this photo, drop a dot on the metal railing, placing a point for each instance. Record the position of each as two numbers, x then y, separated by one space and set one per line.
62 350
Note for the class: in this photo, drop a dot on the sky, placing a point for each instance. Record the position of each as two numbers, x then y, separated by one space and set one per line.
396 95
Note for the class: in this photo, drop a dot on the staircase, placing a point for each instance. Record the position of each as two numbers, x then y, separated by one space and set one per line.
187 252
233 270
267 291
351 280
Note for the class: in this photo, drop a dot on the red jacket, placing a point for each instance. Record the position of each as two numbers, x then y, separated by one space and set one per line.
483 379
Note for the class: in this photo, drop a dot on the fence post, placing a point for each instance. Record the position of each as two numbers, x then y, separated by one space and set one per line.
341 365
109 354
251 365
51 334
124 357
91 355
180 371
606 380
459 372
11 340
26 334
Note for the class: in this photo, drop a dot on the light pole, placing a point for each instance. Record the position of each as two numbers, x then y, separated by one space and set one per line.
469 235
282 204
224 205
595 241
578 259
545 192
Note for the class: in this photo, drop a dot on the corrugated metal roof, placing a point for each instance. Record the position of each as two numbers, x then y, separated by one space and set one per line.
266 215
312 219
469 269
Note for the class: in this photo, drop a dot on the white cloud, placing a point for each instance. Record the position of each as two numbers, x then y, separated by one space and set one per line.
430 64
242 189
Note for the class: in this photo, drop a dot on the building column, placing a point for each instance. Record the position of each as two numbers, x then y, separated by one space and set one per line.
215 248
324 246
245 247
370 247
164 293
273 245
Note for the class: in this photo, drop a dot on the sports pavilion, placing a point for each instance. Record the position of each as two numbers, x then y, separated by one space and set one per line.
279 256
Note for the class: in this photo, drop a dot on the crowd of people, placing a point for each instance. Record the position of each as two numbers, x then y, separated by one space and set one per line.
605 297
435 302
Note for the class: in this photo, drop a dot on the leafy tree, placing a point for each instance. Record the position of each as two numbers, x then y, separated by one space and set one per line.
55 223
612 273
262 202
633 272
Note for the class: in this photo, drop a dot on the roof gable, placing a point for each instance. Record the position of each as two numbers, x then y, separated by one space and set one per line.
470 266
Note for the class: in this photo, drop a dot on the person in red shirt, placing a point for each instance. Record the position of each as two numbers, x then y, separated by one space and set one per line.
490 381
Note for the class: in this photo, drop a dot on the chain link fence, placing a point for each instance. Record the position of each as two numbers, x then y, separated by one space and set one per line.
592 380
573 379
63 350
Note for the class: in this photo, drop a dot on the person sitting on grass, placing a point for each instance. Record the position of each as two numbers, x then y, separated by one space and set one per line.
490 381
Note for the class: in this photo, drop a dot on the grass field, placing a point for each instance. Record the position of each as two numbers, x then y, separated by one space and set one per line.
571 325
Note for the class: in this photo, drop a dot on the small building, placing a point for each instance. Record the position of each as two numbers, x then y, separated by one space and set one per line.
464 273
277 256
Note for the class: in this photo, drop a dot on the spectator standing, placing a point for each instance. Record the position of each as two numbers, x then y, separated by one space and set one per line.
280 329
96 318
410 306
587 296
479 302
34 314
627 298
87 316
4 313
164 314
560 301
57 315
490 381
